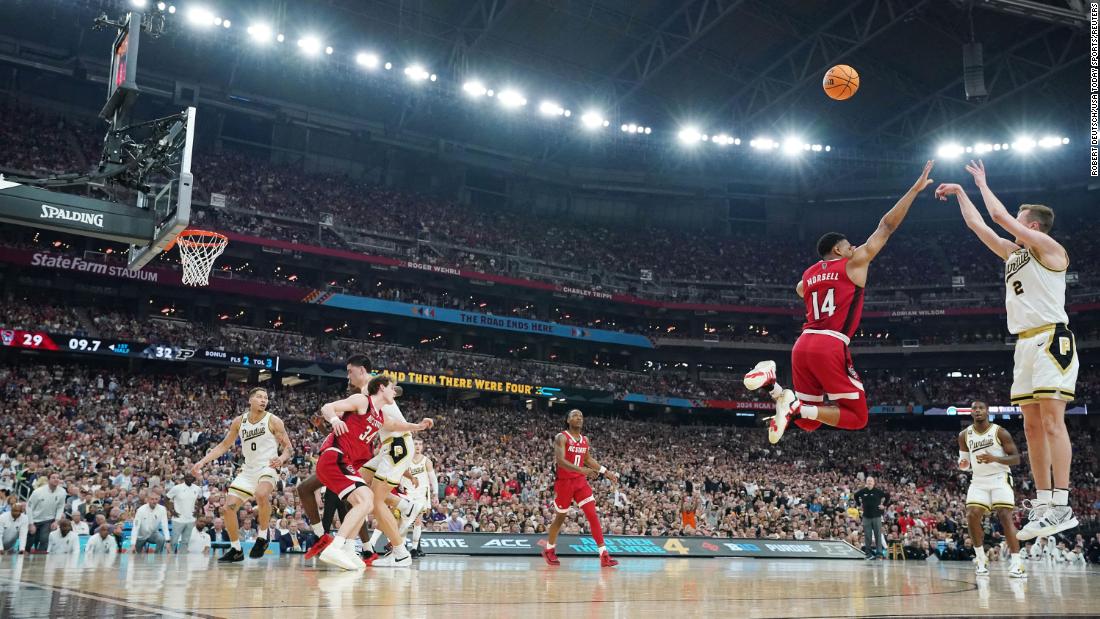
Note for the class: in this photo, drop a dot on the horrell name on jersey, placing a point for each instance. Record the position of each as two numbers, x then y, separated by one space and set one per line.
253 433
824 277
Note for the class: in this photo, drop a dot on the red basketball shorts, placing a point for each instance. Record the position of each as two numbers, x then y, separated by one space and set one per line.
822 368
337 474
571 489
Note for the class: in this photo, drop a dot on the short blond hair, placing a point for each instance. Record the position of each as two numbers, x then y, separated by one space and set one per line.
1039 213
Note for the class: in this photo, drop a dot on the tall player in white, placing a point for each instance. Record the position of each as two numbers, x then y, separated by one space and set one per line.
261 434
1045 363
987 450
421 486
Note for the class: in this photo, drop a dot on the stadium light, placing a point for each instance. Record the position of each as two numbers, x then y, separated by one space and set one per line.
551 108
171 9
416 73
593 120
792 146
260 33
310 45
1065 140
949 151
764 144
1024 144
689 135
475 88
1050 142
161 6
511 98
388 66
226 24
328 50
200 16
368 60
138 4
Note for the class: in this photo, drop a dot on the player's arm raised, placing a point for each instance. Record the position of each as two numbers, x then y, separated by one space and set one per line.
591 463
220 449
1000 246
559 457
1049 250
964 452
333 411
1012 455
865 253
278 428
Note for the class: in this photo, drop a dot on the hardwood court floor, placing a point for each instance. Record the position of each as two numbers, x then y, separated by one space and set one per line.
445 587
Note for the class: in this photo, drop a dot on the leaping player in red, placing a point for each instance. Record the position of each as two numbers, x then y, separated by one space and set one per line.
821 365
573 456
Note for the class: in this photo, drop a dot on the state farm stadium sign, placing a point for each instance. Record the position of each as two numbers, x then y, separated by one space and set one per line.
75 263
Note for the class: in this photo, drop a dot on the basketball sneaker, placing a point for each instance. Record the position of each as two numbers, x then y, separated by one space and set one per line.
417 553
1047 520
318 546
1016 569
368 556
551 556
786 408
399 557
232 555
341 558
982 569
606 560
761 376
258 548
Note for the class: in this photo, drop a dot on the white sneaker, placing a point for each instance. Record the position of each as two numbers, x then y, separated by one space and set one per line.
763 375
1047 520
340 558
1017 570
982 569
778 424
399 557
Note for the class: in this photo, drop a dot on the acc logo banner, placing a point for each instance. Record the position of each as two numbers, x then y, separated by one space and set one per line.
507 543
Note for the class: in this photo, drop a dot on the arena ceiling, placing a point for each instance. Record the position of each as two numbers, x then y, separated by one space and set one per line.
744 67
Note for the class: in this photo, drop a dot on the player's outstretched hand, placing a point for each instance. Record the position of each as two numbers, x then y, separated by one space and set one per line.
948 189
338 426
426 423
924 181
977 170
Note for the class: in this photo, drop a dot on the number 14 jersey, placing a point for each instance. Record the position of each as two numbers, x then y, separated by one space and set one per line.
833 301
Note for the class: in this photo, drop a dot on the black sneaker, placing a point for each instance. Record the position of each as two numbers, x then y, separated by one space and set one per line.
417 552
258 549
232 555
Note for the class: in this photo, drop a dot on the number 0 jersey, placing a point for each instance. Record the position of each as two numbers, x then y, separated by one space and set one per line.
833 301
985 443
576 451
1035 296
258 444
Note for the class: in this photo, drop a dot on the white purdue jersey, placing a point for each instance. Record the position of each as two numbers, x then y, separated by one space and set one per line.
392 411
258 443
419 470
1035 296
985 443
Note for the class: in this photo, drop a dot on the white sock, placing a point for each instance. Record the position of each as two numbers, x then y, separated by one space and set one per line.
318 530
1060 496
776 391
979 553
550 546
807 411
1044 497
235 545
603 549
374 537
262 535
338 542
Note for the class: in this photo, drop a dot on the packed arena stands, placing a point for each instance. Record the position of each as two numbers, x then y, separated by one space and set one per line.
112 436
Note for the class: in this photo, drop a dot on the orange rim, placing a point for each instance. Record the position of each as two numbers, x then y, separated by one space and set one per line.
219 239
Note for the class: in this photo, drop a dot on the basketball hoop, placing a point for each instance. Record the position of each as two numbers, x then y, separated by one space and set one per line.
198 251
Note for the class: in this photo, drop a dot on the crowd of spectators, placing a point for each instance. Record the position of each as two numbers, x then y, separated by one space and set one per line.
285 201
116 441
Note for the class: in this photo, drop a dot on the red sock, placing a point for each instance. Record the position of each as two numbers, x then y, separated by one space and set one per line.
589 510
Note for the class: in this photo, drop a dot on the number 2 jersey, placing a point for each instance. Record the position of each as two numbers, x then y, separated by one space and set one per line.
576 451
833 301
1035 296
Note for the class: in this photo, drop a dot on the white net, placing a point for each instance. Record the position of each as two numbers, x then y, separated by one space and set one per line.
198 251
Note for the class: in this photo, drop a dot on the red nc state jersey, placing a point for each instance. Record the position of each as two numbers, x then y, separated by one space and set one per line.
833 302
356 443
576 451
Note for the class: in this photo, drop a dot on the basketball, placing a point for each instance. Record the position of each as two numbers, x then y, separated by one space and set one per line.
841 82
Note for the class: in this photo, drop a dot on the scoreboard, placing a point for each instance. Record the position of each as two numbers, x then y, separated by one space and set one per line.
82 344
